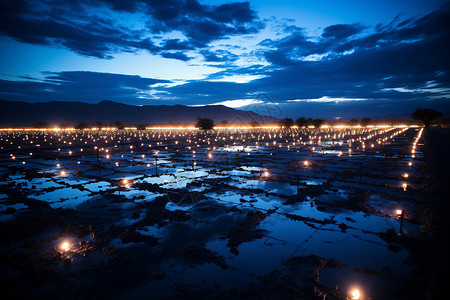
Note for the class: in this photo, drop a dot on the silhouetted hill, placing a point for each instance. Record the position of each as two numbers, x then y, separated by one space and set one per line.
15 113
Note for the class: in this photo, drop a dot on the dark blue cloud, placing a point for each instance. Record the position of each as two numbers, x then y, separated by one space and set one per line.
177 44
90 87
73 24
341 31
176 55
337 39
398 66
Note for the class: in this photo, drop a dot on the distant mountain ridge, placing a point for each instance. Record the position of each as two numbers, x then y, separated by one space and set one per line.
16 113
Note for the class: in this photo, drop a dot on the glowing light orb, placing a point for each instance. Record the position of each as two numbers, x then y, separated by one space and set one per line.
63 173
125 181
356 294
398 211
306 163
65 246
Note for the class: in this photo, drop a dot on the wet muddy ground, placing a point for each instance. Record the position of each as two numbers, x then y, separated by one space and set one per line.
181 214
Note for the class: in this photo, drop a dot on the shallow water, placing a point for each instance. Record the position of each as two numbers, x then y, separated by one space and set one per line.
308 208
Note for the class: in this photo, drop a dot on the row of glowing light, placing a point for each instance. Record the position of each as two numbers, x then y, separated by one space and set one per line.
413 155
195 128
369 136
414 146
264 173
260 134
292 134
362 139
242 138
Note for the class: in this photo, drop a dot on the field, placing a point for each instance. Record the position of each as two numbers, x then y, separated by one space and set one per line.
235 213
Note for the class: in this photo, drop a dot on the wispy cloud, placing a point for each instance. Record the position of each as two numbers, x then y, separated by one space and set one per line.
326 99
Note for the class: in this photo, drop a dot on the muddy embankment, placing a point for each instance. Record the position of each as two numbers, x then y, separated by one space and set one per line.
430 255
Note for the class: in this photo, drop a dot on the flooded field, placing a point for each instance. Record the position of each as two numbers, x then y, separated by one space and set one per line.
234 213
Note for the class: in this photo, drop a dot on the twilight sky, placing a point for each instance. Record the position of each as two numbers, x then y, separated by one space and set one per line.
284 58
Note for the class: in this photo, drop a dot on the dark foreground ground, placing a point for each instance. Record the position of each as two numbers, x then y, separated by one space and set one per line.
430 255
196 226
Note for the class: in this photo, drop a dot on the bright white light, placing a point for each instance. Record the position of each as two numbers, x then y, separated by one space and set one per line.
356 294
238 102
65 246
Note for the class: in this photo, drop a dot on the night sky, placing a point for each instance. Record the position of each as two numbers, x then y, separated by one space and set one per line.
285 58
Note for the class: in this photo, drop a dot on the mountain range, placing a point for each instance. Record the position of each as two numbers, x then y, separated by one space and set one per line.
16 113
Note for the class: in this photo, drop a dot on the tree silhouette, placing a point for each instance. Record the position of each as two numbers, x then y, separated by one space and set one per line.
426 115
205 123
317 122
353 122
141 126
365 121
119 125
287 122
301 122
254 124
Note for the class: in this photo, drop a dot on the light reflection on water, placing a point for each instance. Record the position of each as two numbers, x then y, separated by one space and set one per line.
231 185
